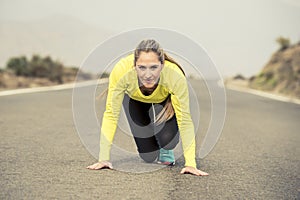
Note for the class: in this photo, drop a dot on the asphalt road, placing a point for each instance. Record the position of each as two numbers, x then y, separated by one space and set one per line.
42 156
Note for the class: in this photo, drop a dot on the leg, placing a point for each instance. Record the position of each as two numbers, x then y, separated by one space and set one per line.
142 129
166 133
148 148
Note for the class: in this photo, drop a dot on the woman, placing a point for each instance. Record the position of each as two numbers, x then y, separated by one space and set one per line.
153 90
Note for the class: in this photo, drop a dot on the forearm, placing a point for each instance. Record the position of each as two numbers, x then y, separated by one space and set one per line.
188 144
189 154
108 130
105 147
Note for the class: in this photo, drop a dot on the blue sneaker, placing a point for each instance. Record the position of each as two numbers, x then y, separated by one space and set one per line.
166 157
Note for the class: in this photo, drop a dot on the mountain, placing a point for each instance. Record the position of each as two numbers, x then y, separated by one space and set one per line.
281 74
64 38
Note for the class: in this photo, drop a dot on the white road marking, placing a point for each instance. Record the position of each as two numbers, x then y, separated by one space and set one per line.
264 94
52 88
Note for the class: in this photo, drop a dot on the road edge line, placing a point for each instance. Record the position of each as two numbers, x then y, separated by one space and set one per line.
264 94
52 88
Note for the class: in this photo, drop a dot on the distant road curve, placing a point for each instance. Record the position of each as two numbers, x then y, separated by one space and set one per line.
101 81
263 94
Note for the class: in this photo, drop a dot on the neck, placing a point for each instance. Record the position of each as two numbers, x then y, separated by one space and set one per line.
147 91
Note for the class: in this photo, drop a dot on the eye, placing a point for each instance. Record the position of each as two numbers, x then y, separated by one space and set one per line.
154 67
141 67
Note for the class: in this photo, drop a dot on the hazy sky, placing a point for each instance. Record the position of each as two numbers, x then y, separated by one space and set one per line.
239 35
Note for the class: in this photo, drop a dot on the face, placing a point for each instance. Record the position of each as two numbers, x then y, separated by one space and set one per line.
148 68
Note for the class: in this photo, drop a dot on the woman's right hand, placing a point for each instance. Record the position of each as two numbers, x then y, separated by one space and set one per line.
100 165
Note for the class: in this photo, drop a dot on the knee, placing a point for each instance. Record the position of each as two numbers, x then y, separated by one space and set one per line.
149 157
170 144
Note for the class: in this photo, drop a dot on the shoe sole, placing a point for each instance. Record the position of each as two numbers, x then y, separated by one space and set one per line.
166 163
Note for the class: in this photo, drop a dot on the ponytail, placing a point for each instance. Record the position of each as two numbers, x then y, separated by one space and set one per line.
170 59
168 111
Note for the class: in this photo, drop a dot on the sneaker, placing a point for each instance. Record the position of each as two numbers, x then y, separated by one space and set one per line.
166 157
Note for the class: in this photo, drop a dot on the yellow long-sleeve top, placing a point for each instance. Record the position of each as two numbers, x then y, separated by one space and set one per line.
123 79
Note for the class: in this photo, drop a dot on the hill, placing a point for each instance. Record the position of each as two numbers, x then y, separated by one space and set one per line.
281 74
21 72
9 80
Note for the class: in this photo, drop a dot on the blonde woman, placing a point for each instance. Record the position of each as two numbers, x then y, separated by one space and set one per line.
153 90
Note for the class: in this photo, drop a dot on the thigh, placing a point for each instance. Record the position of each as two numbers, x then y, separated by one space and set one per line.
141 125
137 112
146 145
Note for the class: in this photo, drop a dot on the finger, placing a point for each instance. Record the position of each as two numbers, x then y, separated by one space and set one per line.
195 172
99 166
94 166
110 166
202 173
182 171
89 167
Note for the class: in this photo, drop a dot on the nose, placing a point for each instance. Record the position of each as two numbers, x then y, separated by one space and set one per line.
148 73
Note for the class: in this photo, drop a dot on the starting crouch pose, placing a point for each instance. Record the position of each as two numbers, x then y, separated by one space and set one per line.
153 90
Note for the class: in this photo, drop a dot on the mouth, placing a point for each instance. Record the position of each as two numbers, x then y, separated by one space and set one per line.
148 81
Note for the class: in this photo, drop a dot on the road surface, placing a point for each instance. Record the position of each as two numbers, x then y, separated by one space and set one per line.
42 156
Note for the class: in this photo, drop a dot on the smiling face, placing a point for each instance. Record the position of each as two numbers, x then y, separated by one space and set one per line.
148 68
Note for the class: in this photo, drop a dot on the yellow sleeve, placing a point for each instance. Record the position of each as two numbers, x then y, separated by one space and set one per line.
180 102
116 89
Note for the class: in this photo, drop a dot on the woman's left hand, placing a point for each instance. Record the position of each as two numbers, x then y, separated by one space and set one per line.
194 171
